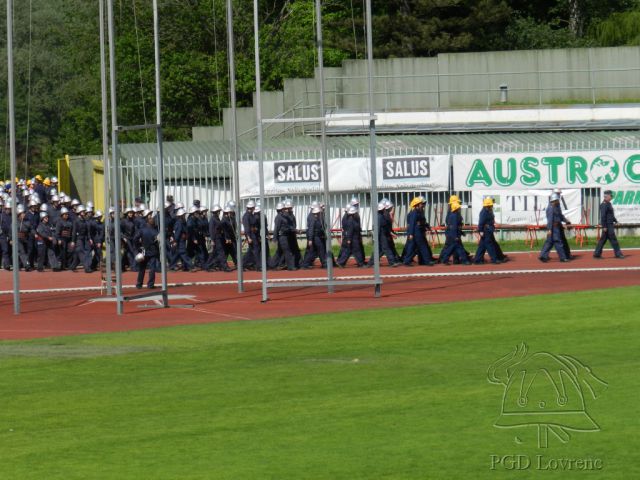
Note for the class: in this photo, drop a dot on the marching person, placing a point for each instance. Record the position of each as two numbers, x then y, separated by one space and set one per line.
353 239
127 232
284 255
486 228
24 239
417 227
64 231
97 233
229 229
180 243
554 228
453 235
251 259
565 243
218 258
5 235
316 239
293 232
147 239
81 241
45 243
385 238
608 223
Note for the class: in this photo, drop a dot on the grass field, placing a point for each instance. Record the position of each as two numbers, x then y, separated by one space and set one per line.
286 399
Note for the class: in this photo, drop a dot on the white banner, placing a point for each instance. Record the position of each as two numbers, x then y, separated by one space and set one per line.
294 177
526 207
514 171
626 205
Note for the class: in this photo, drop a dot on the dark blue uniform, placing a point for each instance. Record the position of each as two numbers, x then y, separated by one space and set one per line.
417 243
217 259
607 222
229 229
45 244
453 239
127 232
5 235
64 231
97 234
385 239
284 254
147 238
554 237
486 228
317 238
81 238
180 239
353 240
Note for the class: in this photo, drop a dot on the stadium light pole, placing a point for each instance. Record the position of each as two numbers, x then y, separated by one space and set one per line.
114 154
258 107
372 148
323 147
234 140
106 165
12 150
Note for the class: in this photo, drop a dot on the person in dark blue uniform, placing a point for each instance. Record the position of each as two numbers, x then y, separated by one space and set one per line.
81 241
486 229
45 243
385 238
287 211
180 239
97 233
310 250
608 223
147 239
316 239
127 232
5 235
565 242
194 245
453 236
283 257
230 237
24 237
217 259
353 239
251 259
64 231
554 227
417 227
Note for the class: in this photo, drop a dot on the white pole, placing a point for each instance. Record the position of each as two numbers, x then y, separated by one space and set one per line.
114 155
12 149
105 153
160 160
258 107
234 141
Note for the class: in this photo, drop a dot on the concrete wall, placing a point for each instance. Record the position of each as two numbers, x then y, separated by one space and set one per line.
457 80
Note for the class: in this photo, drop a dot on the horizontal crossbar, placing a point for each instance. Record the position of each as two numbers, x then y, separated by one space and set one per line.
145 295
364 118
128 128
323 283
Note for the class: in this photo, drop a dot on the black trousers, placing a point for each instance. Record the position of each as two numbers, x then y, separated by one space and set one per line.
610 235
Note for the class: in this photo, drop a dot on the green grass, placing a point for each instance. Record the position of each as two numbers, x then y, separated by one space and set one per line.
284 399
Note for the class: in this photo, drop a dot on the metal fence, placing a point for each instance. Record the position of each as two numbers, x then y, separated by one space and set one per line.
208 179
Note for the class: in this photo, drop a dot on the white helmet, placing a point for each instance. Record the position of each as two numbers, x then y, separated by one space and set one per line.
112 210
352 210
139 257
231 204
314 204
44 207
227 209
54 179
75 202
33 203
43 215
251 204
193 210
20 209
55 198
203 209
61 194
316 210
279 206
388 204
355 201
146 213
180 212
80 209
167 204
53 191
89 205
98 214
64 210
179 206
288 203
35 198
216 208
381 206
347 207
555 197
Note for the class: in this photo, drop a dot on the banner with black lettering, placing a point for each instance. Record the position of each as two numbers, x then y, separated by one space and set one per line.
294 177
526 207
626 205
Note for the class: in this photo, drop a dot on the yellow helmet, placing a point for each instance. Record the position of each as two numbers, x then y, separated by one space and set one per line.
454 198
455 206
47 182
39 178
487 202
417 201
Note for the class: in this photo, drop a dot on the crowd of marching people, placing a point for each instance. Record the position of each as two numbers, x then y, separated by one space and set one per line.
58 232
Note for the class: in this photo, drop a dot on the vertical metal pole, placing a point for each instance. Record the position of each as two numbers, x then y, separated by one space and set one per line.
162 237
234 140
105 153
12 150
323 146
114 154
372 148
258 107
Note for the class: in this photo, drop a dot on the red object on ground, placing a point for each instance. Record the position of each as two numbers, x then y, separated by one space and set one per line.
71 311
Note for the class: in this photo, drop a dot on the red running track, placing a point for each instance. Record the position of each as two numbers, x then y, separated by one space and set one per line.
78 308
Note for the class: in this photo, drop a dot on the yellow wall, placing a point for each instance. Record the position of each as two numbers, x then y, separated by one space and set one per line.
98 185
